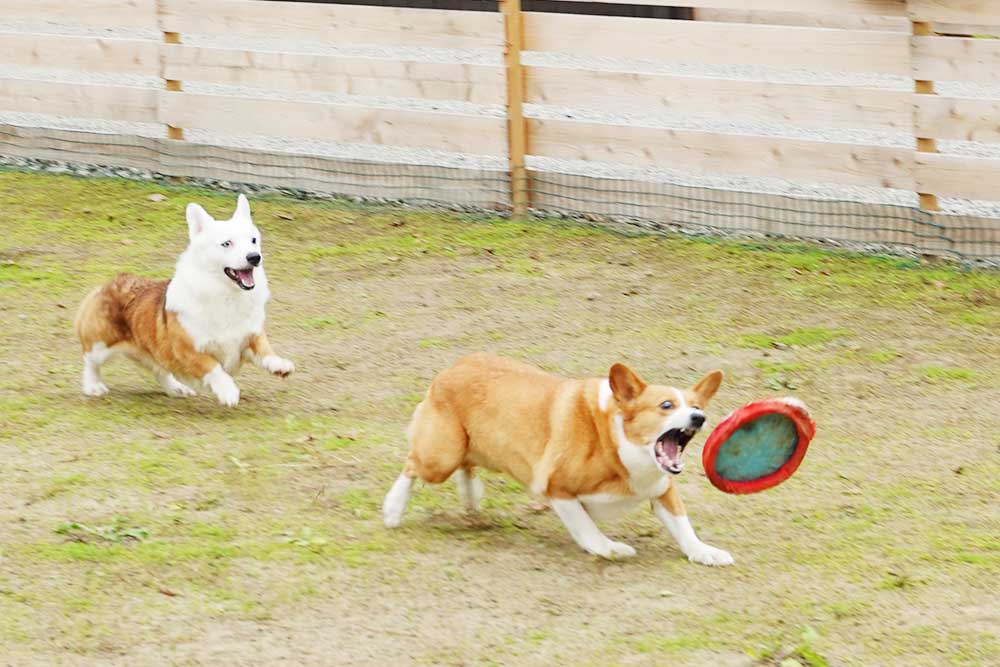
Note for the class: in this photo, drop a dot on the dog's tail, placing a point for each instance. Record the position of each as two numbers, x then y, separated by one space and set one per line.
89 310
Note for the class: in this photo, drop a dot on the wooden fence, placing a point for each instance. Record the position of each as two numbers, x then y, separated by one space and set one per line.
919 55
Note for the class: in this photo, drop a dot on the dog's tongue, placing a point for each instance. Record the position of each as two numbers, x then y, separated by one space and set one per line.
245 276
668 455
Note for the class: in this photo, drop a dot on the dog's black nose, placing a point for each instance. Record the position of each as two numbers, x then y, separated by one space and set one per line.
253 258
697 419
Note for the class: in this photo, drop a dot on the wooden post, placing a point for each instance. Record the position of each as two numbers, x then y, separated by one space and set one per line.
517 131
928 202
172 84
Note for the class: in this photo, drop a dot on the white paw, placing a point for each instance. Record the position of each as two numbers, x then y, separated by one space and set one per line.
228 394
272 363
709 555
612 550
391 517
178 389
95 389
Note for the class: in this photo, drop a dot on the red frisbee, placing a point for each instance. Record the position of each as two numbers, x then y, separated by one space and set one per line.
758 446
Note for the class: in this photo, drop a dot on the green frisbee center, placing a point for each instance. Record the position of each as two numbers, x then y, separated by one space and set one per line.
757 449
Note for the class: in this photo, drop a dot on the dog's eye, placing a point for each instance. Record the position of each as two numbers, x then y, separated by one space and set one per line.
667 405
226 244
254 240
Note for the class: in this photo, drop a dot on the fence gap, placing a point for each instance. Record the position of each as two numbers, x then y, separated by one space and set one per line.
171 85
517 131
928 201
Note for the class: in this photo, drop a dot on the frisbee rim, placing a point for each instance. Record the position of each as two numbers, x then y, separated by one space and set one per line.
804 425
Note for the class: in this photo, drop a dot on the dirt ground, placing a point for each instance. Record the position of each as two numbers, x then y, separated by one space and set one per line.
139 529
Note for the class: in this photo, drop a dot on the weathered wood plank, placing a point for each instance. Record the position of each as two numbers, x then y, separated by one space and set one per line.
805 161
852 7
985 12
957 176
956 59
88 54
334 122
725 99
788 47
373 77
346 24
102 13
78 100
957 118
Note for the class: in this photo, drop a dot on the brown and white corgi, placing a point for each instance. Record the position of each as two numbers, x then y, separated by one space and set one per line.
201 325
592 448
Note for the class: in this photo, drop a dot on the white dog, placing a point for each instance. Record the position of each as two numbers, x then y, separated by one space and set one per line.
201 325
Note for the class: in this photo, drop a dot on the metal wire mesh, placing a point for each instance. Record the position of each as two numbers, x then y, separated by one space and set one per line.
652 206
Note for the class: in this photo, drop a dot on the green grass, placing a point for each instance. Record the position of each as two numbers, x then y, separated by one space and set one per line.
139 525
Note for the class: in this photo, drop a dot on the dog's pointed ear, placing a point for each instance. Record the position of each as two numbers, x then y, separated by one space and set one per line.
625 384
197 219
707 386
242 207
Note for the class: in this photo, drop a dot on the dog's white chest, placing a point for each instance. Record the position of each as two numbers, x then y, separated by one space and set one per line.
220 327
603 506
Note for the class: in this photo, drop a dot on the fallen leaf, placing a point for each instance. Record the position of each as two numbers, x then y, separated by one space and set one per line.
156 197
285 216
167 591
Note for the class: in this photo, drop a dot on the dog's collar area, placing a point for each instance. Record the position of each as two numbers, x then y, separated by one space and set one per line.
242 277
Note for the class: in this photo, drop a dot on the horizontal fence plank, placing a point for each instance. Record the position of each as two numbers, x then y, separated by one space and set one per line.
89 54
956 59
335 74
978 12
957 118
793 159
787 47
340 24
334 122
103 13
853 7
79 100
957 176
732 100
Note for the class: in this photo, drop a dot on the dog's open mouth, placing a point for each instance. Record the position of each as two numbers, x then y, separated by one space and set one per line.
670 446
242 277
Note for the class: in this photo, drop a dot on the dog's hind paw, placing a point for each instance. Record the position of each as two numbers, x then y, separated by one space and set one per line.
173 387
613 550
95 389
706 554
272 363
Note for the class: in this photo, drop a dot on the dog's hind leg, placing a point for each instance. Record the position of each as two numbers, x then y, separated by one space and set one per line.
93 359
395 501
470 488
172 385
438 445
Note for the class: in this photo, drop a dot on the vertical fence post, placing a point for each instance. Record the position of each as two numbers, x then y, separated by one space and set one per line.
928 202
517 131
172 85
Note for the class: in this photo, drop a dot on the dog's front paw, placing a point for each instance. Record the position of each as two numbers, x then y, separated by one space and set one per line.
272 363
95 389
228 394
612 550
709 555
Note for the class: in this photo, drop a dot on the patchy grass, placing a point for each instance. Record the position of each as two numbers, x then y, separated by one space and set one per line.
140 529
